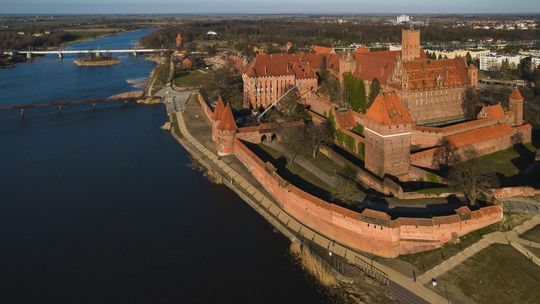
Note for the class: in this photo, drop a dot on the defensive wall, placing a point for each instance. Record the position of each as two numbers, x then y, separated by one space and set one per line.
369 231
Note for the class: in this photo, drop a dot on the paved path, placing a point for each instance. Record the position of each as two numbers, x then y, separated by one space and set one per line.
511 238
287 224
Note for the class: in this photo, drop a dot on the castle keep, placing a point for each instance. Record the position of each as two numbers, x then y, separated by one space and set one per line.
417 95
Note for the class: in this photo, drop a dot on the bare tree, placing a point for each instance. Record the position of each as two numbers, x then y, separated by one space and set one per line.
471 103
290 108
446 156
469 176
317 135
294 142
347 191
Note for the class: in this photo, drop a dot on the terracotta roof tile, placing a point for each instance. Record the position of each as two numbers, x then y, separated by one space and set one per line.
227 120
429 74
322 50
516 95
378 65
387 109
495 112
466 138
345 119
220 106
300 65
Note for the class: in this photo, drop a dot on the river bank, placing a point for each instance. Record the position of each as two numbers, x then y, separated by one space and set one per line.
101 196
342 265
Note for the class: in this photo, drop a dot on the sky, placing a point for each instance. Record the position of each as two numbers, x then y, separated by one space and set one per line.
267 6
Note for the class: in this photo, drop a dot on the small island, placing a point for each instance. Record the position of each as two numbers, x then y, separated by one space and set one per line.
93 60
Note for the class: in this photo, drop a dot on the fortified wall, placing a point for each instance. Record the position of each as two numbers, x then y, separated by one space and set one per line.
369 231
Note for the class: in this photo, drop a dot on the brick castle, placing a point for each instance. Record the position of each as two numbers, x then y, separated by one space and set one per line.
400 137
416 92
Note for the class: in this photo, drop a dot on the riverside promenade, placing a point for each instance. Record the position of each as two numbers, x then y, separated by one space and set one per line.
509 238
197 141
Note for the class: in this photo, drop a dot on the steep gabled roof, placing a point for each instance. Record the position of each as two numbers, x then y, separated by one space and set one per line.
516 95
378 65
387 109
495 112
227 121
220 106
300 65
429 74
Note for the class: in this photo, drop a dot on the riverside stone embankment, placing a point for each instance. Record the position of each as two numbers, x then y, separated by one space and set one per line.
235 176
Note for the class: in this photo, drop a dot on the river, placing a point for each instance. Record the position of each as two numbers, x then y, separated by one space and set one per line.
101 206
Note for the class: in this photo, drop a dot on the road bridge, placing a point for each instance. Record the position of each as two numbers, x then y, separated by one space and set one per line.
62 52
61 104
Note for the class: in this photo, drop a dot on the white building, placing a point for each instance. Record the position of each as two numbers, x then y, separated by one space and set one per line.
495 62
403 19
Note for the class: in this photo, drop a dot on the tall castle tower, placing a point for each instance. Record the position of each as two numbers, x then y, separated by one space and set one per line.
472 70
347 64
388 136
226 132
515 103
410 45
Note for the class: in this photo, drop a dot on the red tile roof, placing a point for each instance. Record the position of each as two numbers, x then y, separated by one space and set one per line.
322 50
378 65
220 106
345 119
466 138
300 65
495 112
516 95
387 109
227 120
430 74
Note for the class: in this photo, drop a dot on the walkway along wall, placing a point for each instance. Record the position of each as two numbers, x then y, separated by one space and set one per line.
369 231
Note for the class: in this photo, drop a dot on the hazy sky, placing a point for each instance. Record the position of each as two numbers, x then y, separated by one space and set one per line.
269 6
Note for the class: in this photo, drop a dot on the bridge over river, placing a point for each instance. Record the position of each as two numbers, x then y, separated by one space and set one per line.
97 52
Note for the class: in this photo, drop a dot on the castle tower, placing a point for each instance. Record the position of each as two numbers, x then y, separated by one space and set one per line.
226 132
410 45
388 136
347 64
515 103
216 117
178 41
473 75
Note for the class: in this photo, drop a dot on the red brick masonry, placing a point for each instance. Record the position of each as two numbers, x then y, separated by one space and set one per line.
369 231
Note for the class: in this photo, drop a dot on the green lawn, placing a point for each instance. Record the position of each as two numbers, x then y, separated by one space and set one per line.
435 190
511 161
497 274
189 79
533 234
424 261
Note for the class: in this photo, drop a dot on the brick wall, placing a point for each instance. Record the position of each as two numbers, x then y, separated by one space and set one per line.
206 109
369 231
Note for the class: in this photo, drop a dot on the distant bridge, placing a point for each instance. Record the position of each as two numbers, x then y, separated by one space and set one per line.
61 104
62 52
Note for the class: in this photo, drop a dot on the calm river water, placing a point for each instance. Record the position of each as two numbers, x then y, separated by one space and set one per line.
103 207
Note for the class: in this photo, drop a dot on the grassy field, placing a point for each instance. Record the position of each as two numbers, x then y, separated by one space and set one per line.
435 190
294 173
511 161
533 234
424 261
188 79
497 274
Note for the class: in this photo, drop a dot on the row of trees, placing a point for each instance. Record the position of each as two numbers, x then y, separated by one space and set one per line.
354 93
